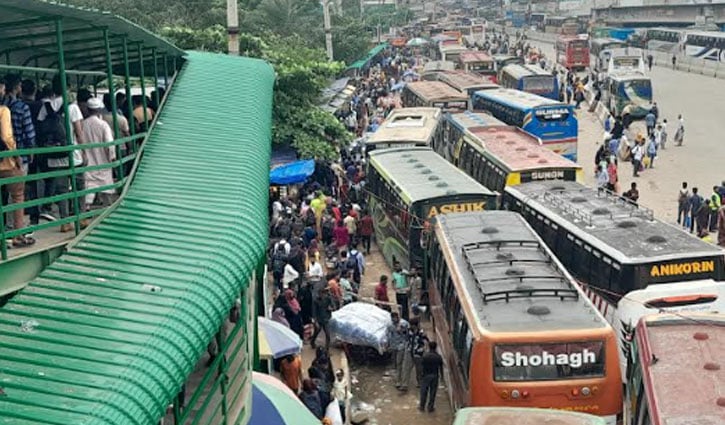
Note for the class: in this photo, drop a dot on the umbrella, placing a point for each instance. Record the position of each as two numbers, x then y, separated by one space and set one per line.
276 340
275 404
414 42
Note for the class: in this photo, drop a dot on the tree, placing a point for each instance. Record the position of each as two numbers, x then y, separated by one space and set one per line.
302 73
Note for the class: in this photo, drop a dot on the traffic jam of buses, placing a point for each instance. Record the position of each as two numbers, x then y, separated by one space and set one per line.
545 296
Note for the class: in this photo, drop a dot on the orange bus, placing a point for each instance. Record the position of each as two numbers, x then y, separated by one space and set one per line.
513 327
434 94
674 374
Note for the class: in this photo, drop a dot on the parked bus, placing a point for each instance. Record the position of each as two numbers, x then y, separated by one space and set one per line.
530 79
664 39
617 59
454 126
432 69
555 123
552 24
406 127
500 61
478 62
708 45
675 298
522 416
466 82
624 88
434 94
611 245
451 50
514 329
572 52
410 186
537 20
675 376
498 157
596 45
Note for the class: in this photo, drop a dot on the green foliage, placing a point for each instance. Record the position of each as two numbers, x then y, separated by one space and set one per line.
286 33
213 38
302 73
156 14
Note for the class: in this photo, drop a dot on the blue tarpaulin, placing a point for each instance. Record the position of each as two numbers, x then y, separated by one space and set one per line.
292 173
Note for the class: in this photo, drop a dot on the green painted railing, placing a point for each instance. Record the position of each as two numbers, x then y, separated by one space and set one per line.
76 213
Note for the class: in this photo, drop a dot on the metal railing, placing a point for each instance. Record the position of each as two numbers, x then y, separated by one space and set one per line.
74 196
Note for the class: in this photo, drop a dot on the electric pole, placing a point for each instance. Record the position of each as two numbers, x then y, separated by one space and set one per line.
328 27
233 27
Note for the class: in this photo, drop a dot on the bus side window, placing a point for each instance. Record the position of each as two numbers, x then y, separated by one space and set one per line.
579 259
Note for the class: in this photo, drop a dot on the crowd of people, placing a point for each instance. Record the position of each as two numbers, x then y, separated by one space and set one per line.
320 235
701 215
32 117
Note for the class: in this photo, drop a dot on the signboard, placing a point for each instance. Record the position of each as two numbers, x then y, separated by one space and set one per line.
533 362
456 208
568 175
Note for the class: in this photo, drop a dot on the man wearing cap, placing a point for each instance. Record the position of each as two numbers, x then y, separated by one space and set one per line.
97 130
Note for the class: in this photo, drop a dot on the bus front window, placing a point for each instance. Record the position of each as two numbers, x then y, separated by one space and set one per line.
545 362
542 84
637 91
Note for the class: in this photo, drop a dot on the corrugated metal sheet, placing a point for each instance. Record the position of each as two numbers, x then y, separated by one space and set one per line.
109 332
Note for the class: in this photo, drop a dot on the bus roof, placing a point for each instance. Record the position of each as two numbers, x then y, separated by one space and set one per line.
436 66
470 120
627 75
453 47
518 99
602 41
622 230
463 80
513 281
697 295
522 416
414 125
419 173
435 91
682 367
519 71
518 150
475 56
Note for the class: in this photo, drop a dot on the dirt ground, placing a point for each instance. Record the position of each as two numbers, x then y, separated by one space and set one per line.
372 380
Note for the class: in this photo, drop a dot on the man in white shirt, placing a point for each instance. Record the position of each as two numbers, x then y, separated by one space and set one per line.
96 130
61 185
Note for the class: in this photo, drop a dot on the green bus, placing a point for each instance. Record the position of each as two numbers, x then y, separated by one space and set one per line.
408 188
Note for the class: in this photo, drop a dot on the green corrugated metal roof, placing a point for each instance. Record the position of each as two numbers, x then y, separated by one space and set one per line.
120 320
360 63
84 49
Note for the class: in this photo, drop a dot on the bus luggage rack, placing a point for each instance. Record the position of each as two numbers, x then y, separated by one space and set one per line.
565 204
562 294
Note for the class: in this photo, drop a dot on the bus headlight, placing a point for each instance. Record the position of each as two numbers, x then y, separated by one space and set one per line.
515 394
586 391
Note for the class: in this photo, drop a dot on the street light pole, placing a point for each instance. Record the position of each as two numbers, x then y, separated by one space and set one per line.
328 27
233 27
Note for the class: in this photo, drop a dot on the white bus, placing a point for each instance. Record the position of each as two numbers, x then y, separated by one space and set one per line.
708 45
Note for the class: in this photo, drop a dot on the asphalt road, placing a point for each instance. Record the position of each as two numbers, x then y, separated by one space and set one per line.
700 161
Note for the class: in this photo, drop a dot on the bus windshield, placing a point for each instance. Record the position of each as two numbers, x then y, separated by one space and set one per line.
579 44
480 66
545 362
636 90
539 84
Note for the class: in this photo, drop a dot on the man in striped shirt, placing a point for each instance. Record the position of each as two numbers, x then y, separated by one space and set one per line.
23 127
